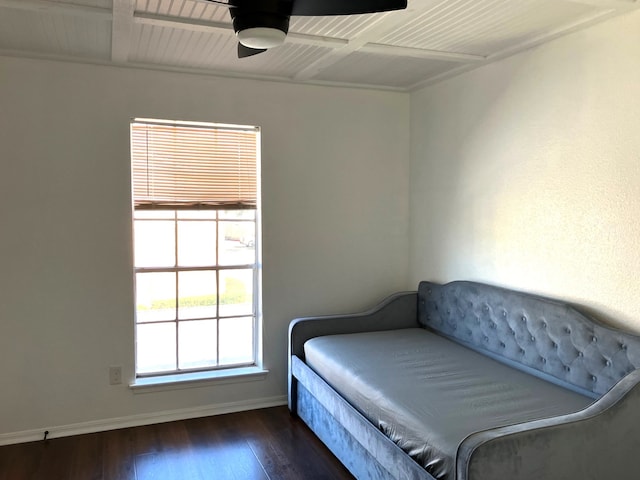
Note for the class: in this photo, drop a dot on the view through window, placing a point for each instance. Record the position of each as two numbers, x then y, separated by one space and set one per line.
195 220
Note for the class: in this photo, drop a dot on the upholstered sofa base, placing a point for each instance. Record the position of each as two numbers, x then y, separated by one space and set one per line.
364 450
547 338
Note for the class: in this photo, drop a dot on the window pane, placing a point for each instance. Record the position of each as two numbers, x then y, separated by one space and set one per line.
197 344
238 214
155 297
237 243
236 340
156 347
155 243
236 292
197 294
196 243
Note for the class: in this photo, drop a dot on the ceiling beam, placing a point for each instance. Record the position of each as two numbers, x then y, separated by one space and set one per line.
396 51
318 41
194 25
121 29
42 6
181 23
227 28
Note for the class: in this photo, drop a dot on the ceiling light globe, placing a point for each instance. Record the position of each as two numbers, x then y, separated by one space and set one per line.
261 37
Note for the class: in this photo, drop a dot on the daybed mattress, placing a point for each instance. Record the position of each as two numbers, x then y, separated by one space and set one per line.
427 393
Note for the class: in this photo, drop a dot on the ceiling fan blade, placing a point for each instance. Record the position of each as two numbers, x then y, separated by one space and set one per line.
343 7
248 52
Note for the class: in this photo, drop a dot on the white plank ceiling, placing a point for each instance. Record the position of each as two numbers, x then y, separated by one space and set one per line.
403 50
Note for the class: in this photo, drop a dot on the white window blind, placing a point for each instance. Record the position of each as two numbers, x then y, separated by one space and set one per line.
179 166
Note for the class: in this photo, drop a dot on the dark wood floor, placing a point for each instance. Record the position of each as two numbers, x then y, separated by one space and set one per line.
263 444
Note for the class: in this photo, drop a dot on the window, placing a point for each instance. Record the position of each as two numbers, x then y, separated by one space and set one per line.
195 222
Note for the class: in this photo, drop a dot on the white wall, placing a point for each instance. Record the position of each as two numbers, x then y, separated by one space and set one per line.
335 198
526 173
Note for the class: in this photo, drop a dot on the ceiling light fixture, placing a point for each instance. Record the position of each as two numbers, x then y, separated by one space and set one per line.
261 37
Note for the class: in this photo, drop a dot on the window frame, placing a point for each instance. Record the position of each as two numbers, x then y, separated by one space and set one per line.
225 372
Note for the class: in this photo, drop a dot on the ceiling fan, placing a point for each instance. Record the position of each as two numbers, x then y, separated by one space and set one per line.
263 24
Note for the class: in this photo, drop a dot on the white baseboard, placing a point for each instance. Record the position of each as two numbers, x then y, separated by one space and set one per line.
141 419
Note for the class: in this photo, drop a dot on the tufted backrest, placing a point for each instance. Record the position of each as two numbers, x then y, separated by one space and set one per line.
546 335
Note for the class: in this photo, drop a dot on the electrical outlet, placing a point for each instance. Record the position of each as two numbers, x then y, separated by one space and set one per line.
115 375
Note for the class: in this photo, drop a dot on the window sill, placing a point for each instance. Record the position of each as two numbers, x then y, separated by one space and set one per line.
180 381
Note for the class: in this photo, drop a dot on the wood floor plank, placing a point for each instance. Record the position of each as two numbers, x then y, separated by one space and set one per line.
86 458
267 444
222 442
272 456
18 462
289 441
118 455
148 439
55 461
167 465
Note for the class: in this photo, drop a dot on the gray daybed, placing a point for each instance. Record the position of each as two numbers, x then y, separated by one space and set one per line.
466 381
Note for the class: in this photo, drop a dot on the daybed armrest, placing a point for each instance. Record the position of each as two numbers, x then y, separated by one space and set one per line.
397 311
598 442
